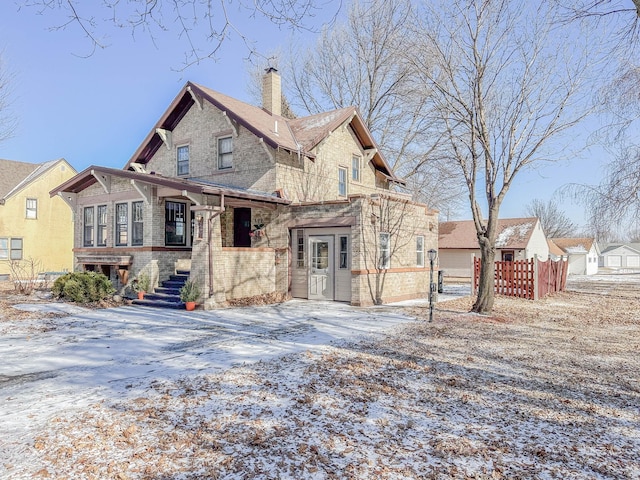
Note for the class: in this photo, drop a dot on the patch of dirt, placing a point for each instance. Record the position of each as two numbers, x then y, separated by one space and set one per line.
266 299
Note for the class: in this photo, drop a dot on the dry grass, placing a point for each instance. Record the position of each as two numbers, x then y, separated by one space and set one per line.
546 389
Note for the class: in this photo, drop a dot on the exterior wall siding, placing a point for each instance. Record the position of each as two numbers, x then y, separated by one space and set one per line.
47 239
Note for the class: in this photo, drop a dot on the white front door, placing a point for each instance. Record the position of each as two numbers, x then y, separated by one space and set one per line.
321 268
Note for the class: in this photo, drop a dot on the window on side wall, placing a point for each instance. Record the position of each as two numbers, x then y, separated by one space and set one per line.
16 249
420 251
122 224
101 237
225 153
342 182
355 168
183 160
137 223
385 251
300 259
32 208
88 218
4 248
344 251
175 223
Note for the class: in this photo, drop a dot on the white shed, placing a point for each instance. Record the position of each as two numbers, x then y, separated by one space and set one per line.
620 256
583 254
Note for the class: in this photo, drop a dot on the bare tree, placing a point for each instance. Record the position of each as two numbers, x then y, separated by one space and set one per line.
360 62
554 221
202 26
8 121
505 83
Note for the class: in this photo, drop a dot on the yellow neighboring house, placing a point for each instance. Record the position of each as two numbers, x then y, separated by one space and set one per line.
34 226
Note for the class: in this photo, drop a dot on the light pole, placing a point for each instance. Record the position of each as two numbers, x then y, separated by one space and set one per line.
432 257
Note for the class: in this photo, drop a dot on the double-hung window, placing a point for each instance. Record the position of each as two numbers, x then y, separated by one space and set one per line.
101 237
385 251
355 168
342 182
16 249
137 222
88 217
4 248
225 153
175 223
32 208
122 224
420 251
183 160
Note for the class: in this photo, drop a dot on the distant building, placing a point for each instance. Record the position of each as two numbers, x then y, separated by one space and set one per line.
583 254
32 224
517 239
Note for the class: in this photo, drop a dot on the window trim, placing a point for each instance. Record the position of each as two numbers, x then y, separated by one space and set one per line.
184 234
101 228
343 254
300 249
182 162
11 249
88 230
118 225
356 168
384 261
134 240
222 155
342 183
32 209
420 251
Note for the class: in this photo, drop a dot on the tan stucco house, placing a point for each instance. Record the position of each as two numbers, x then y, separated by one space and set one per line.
517 239
34 226
252 203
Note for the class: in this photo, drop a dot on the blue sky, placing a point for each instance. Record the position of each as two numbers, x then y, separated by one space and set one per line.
97 110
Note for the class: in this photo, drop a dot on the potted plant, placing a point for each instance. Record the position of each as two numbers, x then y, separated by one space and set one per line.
141 284
189 294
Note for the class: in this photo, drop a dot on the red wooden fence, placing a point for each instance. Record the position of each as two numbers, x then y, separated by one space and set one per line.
530 279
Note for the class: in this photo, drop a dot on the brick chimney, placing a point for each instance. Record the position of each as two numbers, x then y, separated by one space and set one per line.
272 92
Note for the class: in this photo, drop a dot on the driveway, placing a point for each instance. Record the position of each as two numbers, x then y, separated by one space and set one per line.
52 366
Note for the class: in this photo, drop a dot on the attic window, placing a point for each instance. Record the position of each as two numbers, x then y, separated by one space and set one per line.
225 153
32 208
183 160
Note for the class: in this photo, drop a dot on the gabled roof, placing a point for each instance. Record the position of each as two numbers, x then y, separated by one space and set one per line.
17 175
87 177
574 245
512 233
633 247
554 249
299 135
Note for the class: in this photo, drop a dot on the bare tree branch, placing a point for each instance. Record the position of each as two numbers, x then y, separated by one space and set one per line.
8 120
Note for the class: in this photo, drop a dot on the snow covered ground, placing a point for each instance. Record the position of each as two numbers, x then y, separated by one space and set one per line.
547 389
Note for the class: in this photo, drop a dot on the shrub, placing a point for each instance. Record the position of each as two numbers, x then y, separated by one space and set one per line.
83 287
190 291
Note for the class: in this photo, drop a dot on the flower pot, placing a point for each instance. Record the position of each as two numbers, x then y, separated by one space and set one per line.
190 305
140 295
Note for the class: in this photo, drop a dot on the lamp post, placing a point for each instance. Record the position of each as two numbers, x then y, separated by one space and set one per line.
432 257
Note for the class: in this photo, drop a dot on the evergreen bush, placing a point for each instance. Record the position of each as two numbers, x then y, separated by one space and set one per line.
83 287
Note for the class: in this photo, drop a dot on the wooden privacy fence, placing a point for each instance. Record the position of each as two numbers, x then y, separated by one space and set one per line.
532 279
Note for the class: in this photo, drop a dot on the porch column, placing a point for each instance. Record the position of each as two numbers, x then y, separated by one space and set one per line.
207 262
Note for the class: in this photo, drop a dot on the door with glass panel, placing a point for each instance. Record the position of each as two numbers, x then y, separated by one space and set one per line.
321 268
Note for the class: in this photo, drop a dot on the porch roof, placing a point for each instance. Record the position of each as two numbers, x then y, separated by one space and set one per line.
89 177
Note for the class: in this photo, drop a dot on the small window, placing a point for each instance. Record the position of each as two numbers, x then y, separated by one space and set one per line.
355 168
300 250
122 224
88 226
16 249
344 252
225 153
4 248
32 208
420 251
385 251
183 160
137 223
101 239
507 255
342 182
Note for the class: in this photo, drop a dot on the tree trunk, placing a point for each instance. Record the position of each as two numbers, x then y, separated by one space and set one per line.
484 300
